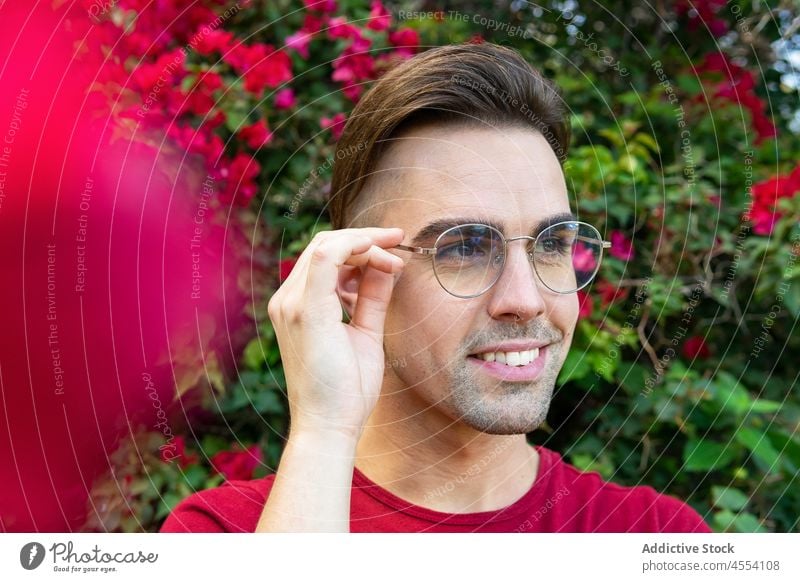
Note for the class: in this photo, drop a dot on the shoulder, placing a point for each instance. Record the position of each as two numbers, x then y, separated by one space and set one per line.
232 507
601 505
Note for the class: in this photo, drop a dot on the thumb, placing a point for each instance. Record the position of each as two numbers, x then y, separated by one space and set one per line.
374 295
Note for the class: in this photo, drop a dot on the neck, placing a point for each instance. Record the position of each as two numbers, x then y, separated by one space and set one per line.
426 458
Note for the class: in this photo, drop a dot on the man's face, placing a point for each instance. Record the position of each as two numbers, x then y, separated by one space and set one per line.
508 176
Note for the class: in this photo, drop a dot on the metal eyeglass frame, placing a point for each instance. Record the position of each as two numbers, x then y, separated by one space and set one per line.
431 251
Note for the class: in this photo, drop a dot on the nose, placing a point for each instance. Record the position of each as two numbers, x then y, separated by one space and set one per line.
517 296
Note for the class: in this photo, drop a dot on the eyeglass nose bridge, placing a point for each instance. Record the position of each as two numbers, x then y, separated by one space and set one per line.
512 239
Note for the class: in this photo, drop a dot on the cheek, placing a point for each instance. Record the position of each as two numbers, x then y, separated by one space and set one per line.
564 313
425 327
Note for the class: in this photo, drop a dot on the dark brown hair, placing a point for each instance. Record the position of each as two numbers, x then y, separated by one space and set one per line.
462 84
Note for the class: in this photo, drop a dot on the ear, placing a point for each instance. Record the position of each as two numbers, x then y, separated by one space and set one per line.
347 287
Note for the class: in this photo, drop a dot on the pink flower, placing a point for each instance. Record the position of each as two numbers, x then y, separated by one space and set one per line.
212 123
695 348
198 141
299 42
321 5
379 17
215 41
621 246
339 28
285 268
261 65
703 12
285 99
583 258
404 37
240 175
313 23
200 99
177 450
766 194
737 86
352 68
237 464
609 294
584 305
211 81
336 124
256 135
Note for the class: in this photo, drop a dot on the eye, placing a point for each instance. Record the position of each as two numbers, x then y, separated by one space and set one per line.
468 248
554 245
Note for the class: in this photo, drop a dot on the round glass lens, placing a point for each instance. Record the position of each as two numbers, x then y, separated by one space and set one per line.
567 256
468 259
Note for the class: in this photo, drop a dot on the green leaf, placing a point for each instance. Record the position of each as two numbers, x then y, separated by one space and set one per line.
267 402
170 500
727 521
760 446
748 523
255 353
632 377
706 455
729 394
729 498
195 476
761 405
576 366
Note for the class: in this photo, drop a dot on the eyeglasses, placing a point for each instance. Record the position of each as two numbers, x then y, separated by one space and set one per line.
468 259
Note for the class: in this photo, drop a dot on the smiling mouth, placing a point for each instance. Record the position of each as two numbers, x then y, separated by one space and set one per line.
511 359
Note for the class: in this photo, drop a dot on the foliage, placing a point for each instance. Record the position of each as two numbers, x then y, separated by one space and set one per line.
683 155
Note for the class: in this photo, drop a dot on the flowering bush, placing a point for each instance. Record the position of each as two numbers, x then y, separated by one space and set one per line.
679 375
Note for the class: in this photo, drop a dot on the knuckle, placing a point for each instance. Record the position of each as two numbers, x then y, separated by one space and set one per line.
292 314
274 307
320 254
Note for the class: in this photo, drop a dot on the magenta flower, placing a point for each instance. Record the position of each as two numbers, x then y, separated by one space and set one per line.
621 246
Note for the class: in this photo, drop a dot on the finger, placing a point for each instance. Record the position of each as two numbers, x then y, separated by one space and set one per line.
382 237
330 254
374 295
376 258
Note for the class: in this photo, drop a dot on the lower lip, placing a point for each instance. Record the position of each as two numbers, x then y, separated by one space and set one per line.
525 373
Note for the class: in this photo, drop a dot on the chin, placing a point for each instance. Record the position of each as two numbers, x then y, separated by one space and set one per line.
508 416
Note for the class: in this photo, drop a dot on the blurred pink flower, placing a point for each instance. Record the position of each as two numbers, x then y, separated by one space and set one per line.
238 464
256 135
585 305
299 41
379 17
695 348
285 99
240 175
321 5
336 124
621 246
338 27
583 258
261 65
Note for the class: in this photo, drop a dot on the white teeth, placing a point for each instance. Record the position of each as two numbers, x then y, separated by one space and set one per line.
522 358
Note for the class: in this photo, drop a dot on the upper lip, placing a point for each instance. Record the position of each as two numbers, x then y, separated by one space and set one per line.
512 346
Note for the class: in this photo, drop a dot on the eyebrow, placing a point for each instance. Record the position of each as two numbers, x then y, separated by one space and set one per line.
429 232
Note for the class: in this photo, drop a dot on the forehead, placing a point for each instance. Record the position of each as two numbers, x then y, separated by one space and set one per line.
509 176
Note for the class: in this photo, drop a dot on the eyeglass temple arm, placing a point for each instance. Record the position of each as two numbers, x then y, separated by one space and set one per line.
606 244
420 250
427 251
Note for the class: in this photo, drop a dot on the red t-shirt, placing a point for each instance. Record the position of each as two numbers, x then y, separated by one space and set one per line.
562 499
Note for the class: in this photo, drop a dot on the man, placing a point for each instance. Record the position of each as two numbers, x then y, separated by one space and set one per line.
456 258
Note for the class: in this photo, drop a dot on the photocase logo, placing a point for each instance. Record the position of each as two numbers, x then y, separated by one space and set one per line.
31 555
